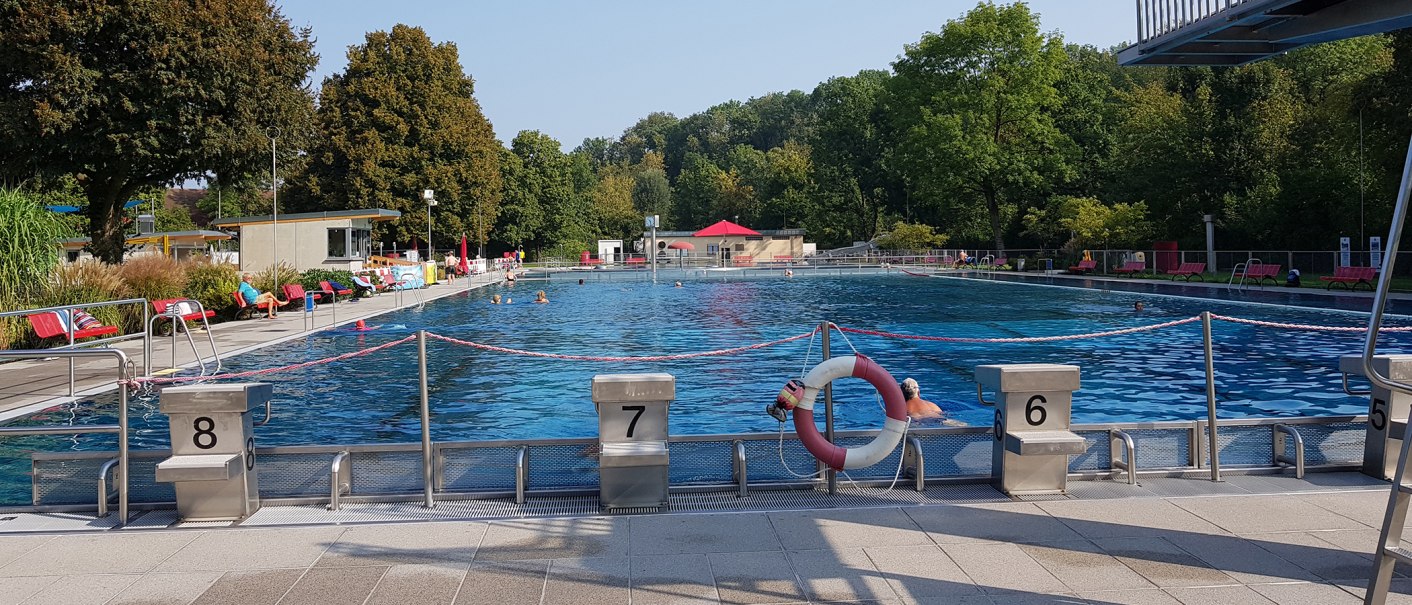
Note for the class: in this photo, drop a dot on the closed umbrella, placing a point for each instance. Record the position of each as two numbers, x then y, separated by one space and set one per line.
679 246
465 266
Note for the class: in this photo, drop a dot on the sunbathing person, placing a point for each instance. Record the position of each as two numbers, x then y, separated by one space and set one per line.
255 297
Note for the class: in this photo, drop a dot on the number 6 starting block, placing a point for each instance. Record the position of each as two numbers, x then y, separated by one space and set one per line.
1032 437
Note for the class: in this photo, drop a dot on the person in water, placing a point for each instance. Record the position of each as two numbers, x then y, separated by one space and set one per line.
678 285
539 297
580 281
256 297
1137 306
789 273
510 275
919 408
494 299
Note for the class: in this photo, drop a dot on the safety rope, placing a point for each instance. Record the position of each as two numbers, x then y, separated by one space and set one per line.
297 366
1311 327
1022 339
678 356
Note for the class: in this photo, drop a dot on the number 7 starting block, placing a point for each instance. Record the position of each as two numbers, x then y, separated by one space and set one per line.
632 438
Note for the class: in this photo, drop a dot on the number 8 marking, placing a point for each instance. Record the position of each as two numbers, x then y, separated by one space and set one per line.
209 432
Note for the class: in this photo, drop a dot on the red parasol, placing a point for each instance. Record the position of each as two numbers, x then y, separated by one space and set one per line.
465 266
725 228
681 246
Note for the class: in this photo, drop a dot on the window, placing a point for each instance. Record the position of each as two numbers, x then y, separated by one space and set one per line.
740 247
344 243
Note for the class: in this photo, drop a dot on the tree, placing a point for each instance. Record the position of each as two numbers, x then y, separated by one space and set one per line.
849 145
974 103
652 194
612 204
1086 222
911 236
126 95
400 119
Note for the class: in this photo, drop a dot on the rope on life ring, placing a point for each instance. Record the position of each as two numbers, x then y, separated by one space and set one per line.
799 396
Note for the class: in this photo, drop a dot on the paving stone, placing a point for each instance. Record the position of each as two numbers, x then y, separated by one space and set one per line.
1399 592
452 545
1322 558
1306 594
839 575
688 534
335 586
262 587
1127 518
242 549
672 580
421 584
1260 514
976 599
847 529
1154 596
597 581
922 572
1027 598
755 577
1218 595
494 583
167 588
1364 506
593 537
1006 522
15 590
1082 565
97 554
12 547
1003 568
94 589
1241 559
1163 563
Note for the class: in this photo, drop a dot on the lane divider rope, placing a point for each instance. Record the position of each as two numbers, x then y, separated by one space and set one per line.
1309 327
716 353
1022 339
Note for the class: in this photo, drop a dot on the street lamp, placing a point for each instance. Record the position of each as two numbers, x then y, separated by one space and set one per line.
273 133
430 197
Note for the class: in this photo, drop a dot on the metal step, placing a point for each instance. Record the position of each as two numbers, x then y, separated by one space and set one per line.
1401 554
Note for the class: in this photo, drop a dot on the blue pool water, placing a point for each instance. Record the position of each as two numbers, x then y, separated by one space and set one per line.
479 395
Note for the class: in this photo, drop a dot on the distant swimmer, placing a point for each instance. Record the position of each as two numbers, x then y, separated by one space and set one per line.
495 299
539 297
678 285
510 275
1137 306
580 281
363 327
789 273
919 408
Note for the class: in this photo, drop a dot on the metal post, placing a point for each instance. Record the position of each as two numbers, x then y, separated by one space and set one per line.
147 338
69 324
274 132
426 420
830 475
1215 455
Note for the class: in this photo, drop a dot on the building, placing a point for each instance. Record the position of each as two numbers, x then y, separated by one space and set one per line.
179 245
340 239
727 243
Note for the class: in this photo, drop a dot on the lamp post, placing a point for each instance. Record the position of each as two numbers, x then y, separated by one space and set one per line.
273 133
430 197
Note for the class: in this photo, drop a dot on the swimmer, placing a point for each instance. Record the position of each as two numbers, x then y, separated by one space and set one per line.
494 299
510 276
580 281
539 297
509 300
919 408
789 273
363 327
678 285
1137 306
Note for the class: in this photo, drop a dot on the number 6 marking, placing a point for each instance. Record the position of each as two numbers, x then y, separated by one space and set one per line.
1031 408
633 425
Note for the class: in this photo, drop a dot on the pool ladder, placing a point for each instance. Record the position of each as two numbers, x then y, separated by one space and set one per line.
175 312
1242 270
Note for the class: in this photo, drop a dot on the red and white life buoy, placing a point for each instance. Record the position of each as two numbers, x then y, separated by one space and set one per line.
800 395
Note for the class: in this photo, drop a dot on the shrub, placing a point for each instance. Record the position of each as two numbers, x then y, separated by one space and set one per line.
264 281
211 283
153 277
28 250
310 279
90 281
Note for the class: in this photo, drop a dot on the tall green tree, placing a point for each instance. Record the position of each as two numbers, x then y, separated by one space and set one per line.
975 105
402 118
849 146
130 94
652 194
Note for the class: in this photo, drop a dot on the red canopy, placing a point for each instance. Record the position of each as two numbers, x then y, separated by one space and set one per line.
681 246
724 228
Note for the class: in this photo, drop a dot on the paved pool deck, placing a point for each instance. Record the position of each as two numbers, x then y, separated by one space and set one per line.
30 386
1307 546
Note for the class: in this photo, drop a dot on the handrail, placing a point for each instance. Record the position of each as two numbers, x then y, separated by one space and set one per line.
1349 391
122 427
1380 296
1120 442
521 473
103 486
1281 433
145 335
336 470
739 467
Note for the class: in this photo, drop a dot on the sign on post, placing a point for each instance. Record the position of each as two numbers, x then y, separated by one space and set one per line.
1375 252
1344 245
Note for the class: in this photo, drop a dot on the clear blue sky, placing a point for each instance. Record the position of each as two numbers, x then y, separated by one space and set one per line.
576 69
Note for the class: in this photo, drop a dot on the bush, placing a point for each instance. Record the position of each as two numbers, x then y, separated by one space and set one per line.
264 281
28 249
211 283
311 278
90 281
153 277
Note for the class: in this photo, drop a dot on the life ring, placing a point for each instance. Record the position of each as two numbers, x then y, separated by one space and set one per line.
799 396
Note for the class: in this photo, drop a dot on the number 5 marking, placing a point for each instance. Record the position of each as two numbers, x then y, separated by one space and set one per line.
633 425
1377 417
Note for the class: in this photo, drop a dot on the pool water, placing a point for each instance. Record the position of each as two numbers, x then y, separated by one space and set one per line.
480 395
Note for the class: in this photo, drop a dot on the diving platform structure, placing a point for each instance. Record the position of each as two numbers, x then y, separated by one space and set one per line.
1236 32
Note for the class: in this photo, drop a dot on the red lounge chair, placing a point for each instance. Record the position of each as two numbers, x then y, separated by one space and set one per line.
1084 266
244 309
1261 272
1350 277
1000 262
296 292
50 325
743 261
161 306
1187 271
387 281
329 287
1131 267
635 261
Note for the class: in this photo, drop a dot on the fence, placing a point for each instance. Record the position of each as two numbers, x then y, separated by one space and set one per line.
1156 18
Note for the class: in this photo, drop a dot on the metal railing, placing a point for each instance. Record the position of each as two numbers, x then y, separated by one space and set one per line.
68 312
1156 18
121 428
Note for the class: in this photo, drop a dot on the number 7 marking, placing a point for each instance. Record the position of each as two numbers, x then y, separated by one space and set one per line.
633 425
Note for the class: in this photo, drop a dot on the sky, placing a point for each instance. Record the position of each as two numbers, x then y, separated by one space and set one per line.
579 69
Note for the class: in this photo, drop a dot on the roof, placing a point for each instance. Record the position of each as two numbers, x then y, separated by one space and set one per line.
722 228
1235 33
376 214
203 234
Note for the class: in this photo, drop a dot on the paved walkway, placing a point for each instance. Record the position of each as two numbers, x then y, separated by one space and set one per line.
29 386
1289 549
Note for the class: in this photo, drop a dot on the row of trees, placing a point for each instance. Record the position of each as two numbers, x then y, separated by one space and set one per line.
990 131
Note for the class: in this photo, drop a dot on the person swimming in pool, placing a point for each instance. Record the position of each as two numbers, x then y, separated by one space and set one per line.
678 285
539 297
920 409
1137 306
494 299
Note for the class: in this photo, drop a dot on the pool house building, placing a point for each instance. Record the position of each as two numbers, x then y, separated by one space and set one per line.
340 239
731 244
